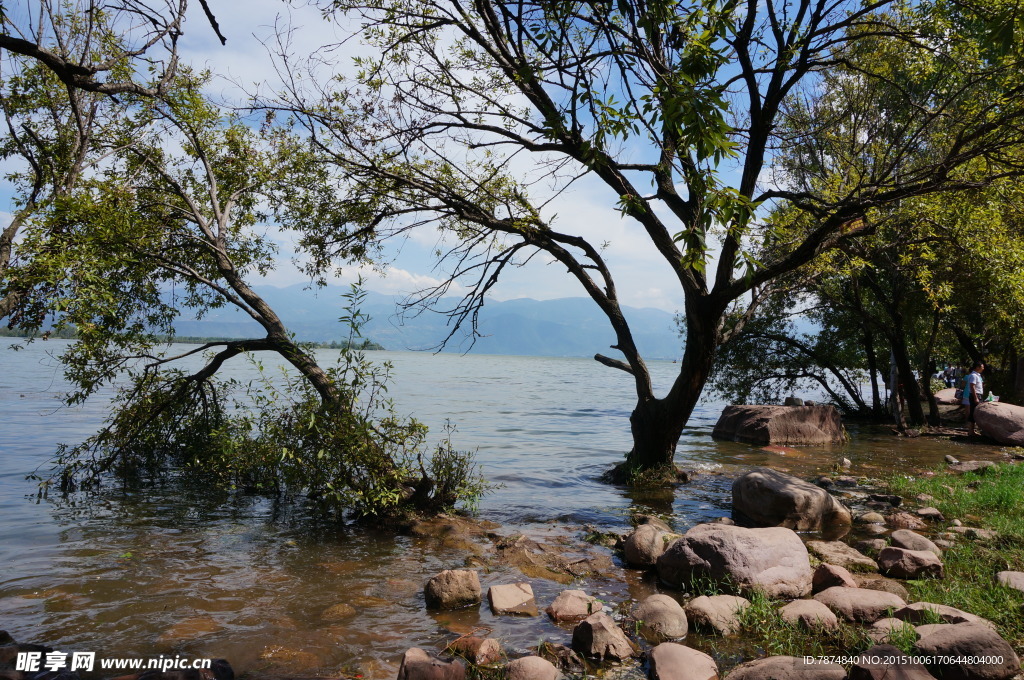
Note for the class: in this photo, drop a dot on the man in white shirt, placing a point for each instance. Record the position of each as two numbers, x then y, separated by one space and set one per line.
973 389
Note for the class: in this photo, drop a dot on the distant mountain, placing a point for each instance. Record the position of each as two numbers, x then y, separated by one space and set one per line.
562 327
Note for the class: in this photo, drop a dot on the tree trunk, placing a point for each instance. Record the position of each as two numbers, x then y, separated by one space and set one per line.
927 368
869 350
907 382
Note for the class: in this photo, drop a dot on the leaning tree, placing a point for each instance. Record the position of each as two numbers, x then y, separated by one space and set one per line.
472 117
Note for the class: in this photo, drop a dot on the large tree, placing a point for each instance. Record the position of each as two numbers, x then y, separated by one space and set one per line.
462 112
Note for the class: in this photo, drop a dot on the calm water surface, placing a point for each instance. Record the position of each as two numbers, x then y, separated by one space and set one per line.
185 571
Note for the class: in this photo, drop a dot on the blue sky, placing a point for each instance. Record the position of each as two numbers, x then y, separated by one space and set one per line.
244 64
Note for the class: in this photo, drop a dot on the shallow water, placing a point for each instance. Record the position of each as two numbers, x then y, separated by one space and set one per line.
189 572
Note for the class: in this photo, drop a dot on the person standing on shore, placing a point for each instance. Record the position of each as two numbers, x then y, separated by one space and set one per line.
973 389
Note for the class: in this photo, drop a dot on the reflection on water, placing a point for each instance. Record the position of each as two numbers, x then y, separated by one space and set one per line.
181 570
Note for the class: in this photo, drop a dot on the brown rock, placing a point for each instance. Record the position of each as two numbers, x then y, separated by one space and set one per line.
919 612
904 538
976 533
476 650
869 546
661 617
1011 579
599 636
773 498
419 665
773 560
338 612
976 642
859 604
903 563
671 661
885 585
810 614
871 518
786 668
829 575
841 555
719 613
573 605
531 668
453 589
1001 421
872 666
931 514
512 598
782 425
904 520
881 630
644 546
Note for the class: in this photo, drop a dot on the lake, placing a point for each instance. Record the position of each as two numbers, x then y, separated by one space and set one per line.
186 571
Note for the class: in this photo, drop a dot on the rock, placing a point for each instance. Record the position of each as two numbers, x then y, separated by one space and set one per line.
653 520
846 480
880 630
1011 579
957 523
563 657
786 668
810 614
974 532
598 636
859 604
841 555
919 612
532 668
903 563
719 613
931 514
871 666
952 460
453 589
888 499
972 465
419 665
660 616
904 538
870 545
1001 421
773 560
870 518
773 498
846 463
943 545
512 598
880 583
924 498
644 546
338 612
672 661
785 425
904 520
476 650
829 575
573 605
976 642
793 401
824 482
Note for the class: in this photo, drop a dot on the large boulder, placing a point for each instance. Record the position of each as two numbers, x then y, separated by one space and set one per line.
859 604
785 425
532 668
420 665
452 589
671 661
828 575
660 616
841 555
810 614
644 546
988 656
903 563
905 538
773 560
1001 421
717 613
599 636
773 498
787 668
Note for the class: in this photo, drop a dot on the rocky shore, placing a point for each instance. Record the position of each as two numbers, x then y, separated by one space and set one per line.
845 574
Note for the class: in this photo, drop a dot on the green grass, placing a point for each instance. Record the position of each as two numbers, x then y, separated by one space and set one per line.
992 499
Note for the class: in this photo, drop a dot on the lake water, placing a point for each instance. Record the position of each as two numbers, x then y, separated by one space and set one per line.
188 572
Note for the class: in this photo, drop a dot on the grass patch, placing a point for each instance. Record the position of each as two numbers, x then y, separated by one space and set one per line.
991 499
